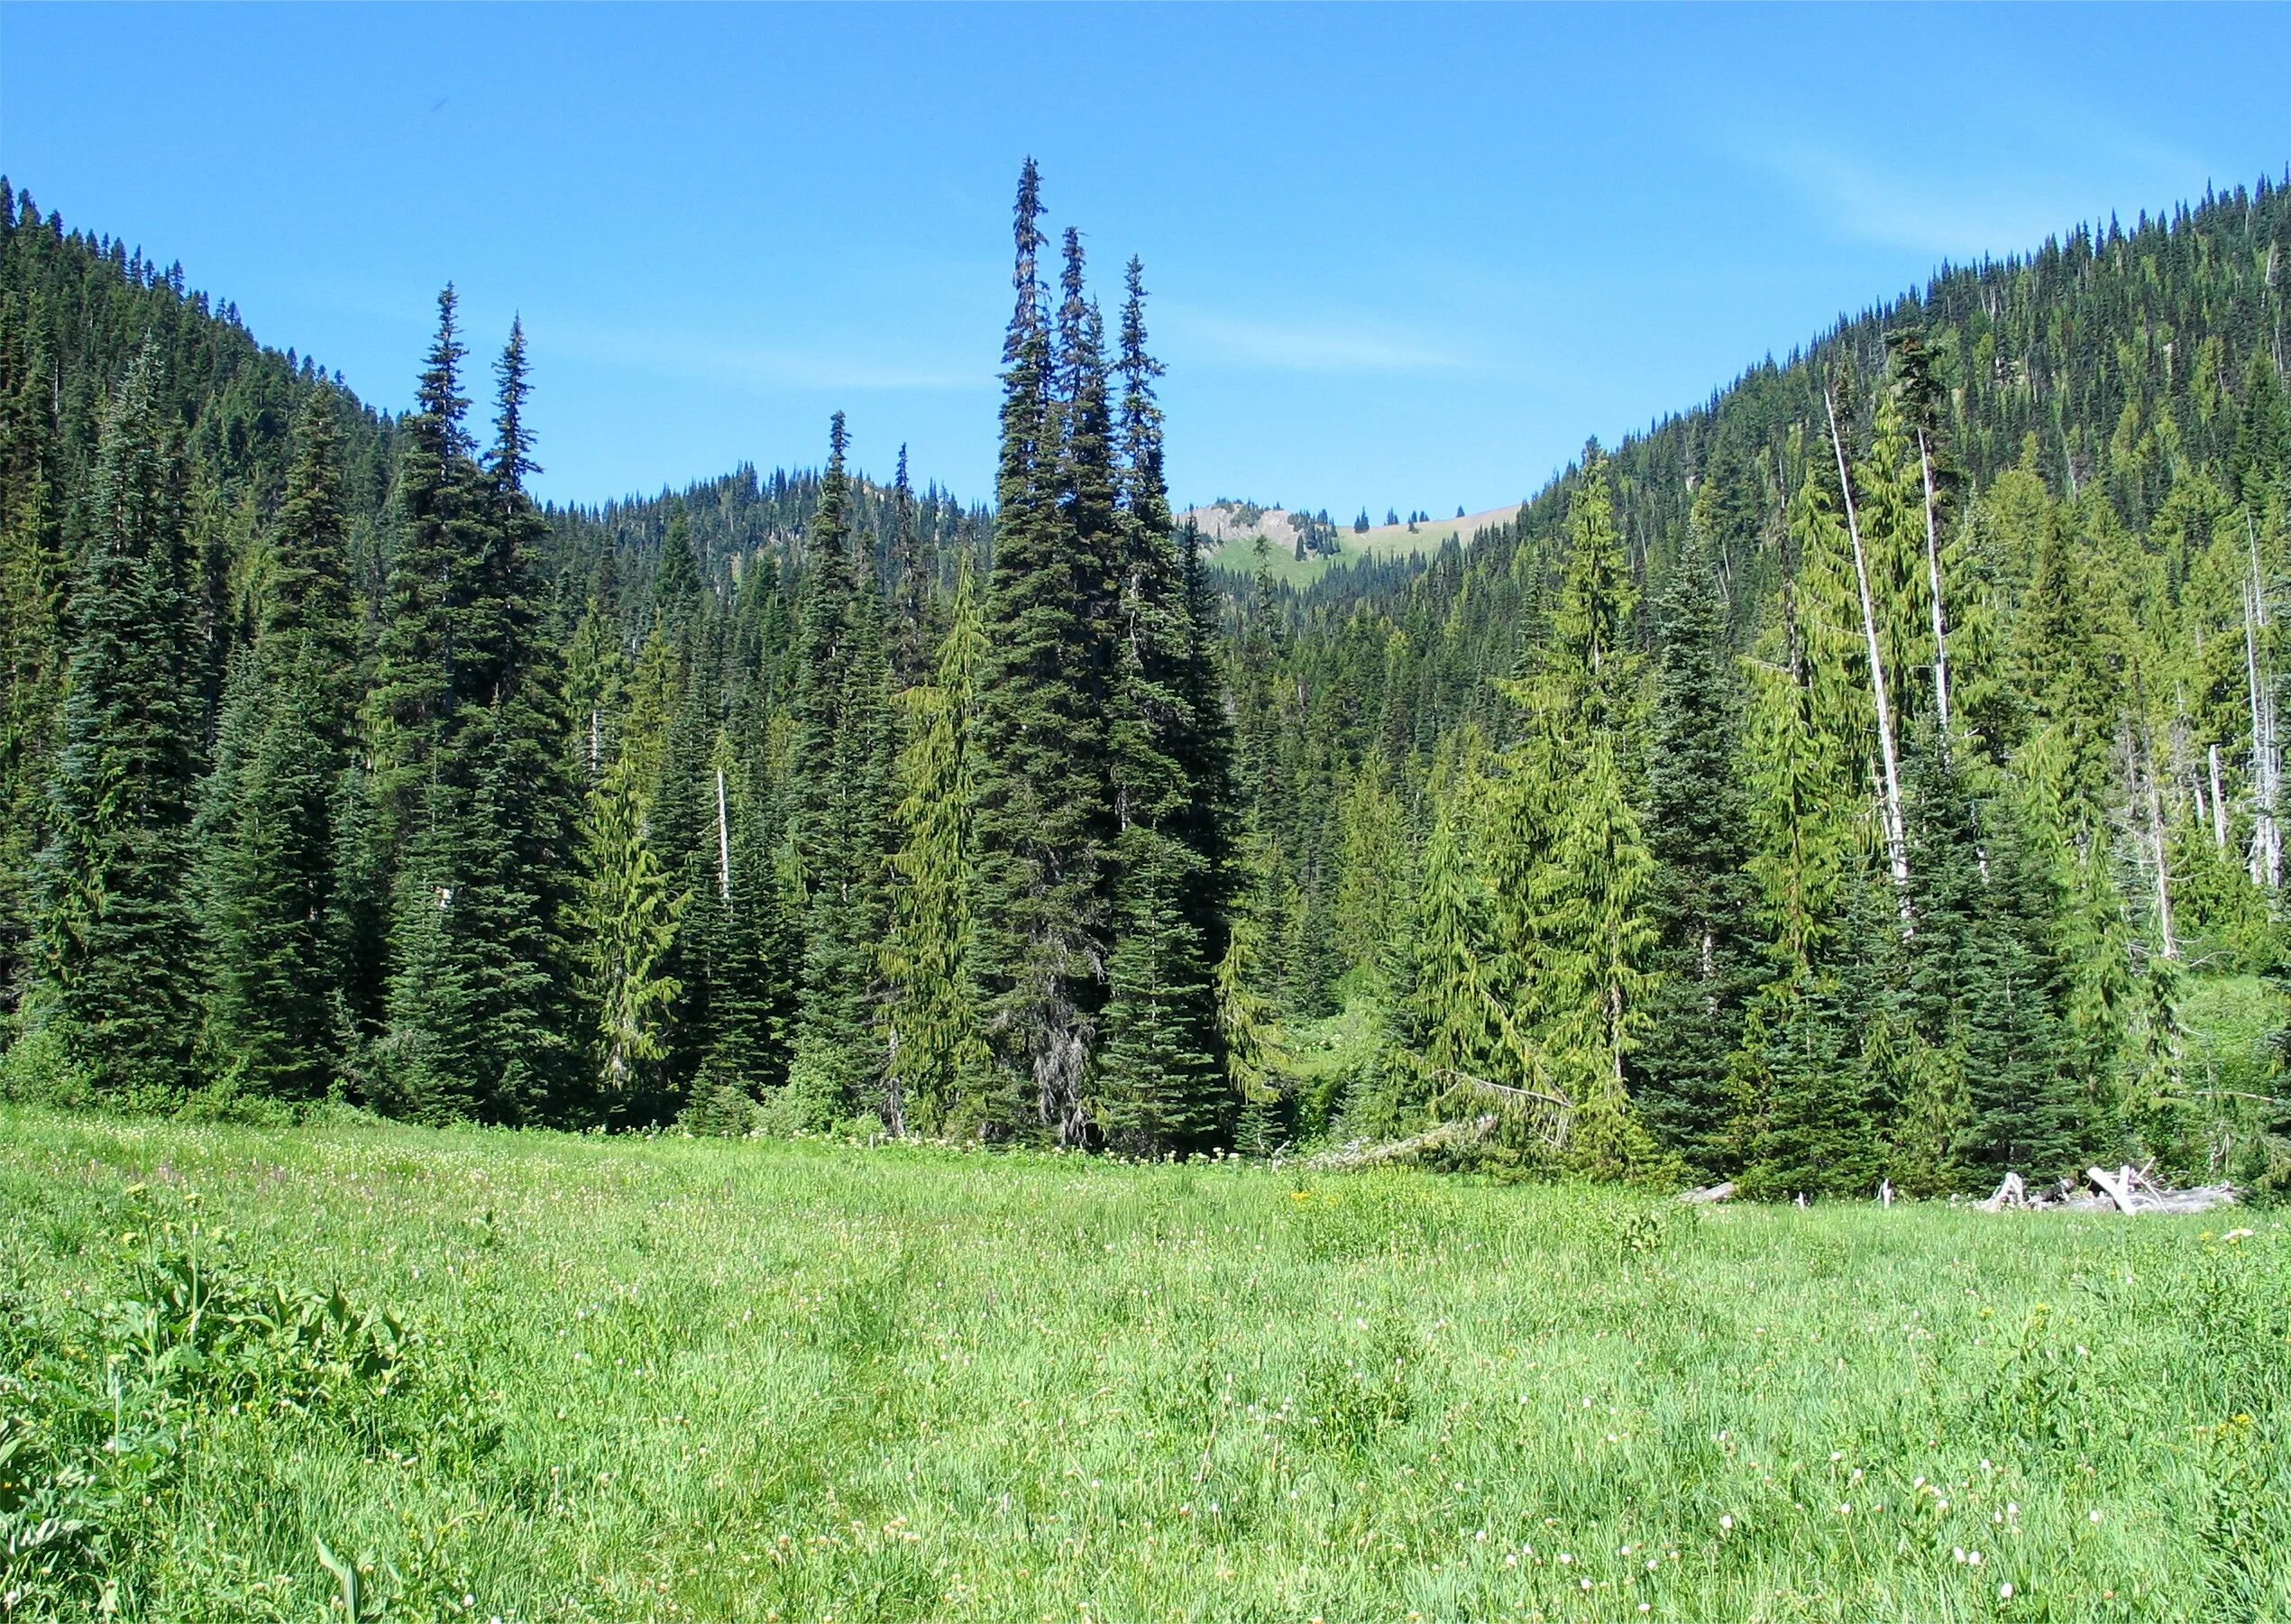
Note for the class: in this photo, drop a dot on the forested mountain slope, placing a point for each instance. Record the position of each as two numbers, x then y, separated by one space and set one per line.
1872 773
1618 779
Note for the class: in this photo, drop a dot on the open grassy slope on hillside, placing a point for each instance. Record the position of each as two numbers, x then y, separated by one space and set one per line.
1236 551
671 1380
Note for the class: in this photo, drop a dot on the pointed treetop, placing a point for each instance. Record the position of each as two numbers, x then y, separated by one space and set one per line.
1028 210
1026 320
511 462
440 390
1138 367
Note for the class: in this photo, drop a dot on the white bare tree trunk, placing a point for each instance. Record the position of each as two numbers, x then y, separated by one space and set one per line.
1940 616
1896 828
723 841
2266 763
2219 803
2163 874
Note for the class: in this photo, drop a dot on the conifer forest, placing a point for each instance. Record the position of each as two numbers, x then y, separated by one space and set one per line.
1850 780
765 1052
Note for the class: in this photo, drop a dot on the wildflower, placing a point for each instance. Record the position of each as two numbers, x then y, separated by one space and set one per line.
2005 1590
2093 1517
1727 1521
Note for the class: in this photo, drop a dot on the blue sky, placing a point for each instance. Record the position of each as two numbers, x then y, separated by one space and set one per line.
1402 257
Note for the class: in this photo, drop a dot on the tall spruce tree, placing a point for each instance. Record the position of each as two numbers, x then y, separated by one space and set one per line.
1702 899
936 1069
841 802
436 513
914 606
480 1014
1985 988
626 917
115 933
1043 821
282 932
1163 1087
32 579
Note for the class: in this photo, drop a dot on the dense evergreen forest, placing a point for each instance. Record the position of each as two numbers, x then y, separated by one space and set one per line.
1852 779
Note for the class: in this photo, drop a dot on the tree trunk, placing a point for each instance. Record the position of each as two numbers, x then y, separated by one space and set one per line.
723 841
1896 829
2163 874
2219 803
1940 616
2267 838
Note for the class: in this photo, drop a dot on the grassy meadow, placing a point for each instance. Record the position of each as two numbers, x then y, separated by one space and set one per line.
526 1377
1239 556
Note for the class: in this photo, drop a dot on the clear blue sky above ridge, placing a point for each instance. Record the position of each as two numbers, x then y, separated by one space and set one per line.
1400 257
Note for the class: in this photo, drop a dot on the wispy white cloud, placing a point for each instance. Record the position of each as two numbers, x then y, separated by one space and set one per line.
2059 174
1199 338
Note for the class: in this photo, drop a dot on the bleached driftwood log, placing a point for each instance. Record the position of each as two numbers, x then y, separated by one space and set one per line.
2129 1190
2132 1191
1709 1194
2012 1192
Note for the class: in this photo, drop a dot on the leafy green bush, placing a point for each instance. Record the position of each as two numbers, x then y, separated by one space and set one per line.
96 1407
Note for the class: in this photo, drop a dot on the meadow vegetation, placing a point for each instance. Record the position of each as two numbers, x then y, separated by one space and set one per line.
256 1372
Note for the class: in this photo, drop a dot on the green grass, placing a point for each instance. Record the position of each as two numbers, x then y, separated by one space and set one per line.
665 1379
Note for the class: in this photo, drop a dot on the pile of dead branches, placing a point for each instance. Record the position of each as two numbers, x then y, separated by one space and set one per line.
1363 1153
2127 1190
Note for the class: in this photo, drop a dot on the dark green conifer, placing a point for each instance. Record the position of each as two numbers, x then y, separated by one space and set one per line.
1985 987
1043 824
842 794
115 930
1702 901
279 932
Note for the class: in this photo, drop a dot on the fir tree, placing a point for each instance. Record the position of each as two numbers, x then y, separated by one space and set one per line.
1985 987
1701 900
911 603
479 1013
841 798
116 936
281 932
32 577
936 1070
1811 1131
626 918
1372 883
435 518
1042 819
751 964
1163 1082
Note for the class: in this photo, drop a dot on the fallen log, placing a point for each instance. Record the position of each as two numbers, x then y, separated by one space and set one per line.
2129 1190
1360 1153
2117 1187
2012 1192
1709 1194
